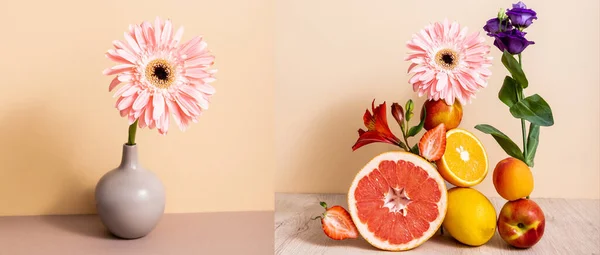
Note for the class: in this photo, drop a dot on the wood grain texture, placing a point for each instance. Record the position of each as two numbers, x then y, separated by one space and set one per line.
572 227
220 233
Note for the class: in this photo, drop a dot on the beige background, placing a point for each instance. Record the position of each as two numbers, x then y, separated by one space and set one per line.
334 57
60 132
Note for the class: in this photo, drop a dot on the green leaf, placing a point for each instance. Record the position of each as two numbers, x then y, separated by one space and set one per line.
503 140
416 129
415 149
533 109
508 92
532 143
514 68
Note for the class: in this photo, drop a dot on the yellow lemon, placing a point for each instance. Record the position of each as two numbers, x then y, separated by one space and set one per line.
471 217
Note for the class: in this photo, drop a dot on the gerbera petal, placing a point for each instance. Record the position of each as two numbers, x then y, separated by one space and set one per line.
414 47
198 49
141 101
148 111
442 81
199 61
132 90
125 77
185 47
463 32
114 83
411 66
139 37
180 119
427 76
126 102
120 45
118 69
189 104
164 123
426 38
132 43
114 56
131 119
415 78
159 106
128 56
203 87
181 107
191 91
157 32
196 73
142 121
122 89
167 33
177 37
124 113
466 82
148 32
416 55
484 71
419 69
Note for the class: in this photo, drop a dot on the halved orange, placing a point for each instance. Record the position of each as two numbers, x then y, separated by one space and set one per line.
465 162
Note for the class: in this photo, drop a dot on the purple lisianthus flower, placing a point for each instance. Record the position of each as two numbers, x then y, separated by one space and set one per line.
494 26
512 41
520 16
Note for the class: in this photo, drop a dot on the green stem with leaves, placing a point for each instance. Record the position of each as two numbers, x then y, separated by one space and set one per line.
532 109
132 130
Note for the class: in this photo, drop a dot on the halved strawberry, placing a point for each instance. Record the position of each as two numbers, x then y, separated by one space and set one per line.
337 223
433 143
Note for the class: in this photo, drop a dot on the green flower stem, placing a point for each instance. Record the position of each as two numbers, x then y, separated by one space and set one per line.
523 128
404 136
132 130
520 96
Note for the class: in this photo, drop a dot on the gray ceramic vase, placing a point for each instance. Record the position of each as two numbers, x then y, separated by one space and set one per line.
130 200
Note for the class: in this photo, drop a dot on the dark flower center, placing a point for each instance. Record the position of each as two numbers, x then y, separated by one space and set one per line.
446 58
160 73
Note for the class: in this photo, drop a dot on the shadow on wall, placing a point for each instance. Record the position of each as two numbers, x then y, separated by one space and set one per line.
37 172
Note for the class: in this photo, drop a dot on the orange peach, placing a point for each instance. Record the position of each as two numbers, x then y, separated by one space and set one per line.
513 179
437 112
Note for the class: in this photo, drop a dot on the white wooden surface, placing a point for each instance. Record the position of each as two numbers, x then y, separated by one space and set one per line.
572 228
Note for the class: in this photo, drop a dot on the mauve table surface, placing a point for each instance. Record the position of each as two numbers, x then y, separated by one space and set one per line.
176 234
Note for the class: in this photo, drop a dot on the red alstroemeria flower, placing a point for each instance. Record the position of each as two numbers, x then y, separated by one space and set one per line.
377 128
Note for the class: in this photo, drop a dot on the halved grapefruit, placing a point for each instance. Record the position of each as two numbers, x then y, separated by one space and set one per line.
397 201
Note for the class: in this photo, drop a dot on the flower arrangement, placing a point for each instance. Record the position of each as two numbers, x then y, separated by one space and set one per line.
447 64
406 190
521 222
398 200
507 29
160 76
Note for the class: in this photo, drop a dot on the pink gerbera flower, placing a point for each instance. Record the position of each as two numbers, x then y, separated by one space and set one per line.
448 63
161 77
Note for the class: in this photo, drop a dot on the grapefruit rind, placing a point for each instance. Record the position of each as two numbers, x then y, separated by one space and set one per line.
449 175
418 161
